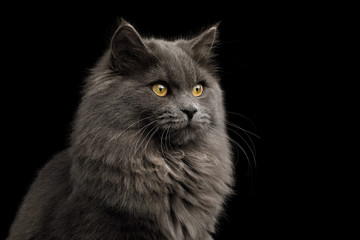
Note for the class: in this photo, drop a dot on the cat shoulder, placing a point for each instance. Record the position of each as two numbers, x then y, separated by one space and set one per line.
51 184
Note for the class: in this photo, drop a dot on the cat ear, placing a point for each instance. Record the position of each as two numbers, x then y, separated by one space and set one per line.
129 53
201 47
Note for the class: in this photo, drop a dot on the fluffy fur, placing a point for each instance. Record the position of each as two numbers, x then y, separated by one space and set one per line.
139 166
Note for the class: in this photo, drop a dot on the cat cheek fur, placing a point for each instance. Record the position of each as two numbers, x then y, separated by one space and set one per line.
124 176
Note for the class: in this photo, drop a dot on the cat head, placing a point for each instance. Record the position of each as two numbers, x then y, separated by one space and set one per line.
149 85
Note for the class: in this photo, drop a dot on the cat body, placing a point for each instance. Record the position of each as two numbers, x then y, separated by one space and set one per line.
149 155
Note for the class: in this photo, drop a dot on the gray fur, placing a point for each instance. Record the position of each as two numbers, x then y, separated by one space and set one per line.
137 168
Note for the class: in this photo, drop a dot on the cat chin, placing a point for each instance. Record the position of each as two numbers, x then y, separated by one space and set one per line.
185 135
182 139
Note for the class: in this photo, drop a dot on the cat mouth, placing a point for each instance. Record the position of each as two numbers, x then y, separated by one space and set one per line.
181 132
183 125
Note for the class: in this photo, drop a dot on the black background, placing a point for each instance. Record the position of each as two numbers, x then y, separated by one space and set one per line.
267 58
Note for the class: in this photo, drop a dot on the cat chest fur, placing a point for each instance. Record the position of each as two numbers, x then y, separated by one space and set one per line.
182 192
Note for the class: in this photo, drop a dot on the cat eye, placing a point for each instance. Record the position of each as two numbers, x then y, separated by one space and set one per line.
198 90
160 89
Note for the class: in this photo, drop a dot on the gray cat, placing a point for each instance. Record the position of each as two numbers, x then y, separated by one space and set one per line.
149 155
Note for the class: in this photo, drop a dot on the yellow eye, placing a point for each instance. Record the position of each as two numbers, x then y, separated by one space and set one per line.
160 89
198 90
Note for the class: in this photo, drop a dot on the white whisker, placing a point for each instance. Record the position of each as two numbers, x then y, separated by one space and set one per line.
252 152
242 129
142 130
154 129
230 124
243 116
236 144
116 136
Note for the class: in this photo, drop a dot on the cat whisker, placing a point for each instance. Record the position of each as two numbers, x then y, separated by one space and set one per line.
142 131
244 117
236 144
253 153
230 124
161 144
169 121
137 147
168 137
167 115
118 135
154 129
252 147
163 136
242 129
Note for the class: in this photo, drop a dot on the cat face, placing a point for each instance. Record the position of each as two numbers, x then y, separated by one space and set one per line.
162 86
178 94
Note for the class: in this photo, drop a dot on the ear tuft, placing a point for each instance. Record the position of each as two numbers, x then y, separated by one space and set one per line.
129 53
202 45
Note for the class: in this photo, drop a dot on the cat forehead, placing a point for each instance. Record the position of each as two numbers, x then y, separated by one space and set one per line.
174 60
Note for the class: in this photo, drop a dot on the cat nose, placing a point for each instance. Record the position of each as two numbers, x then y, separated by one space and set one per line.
189 111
